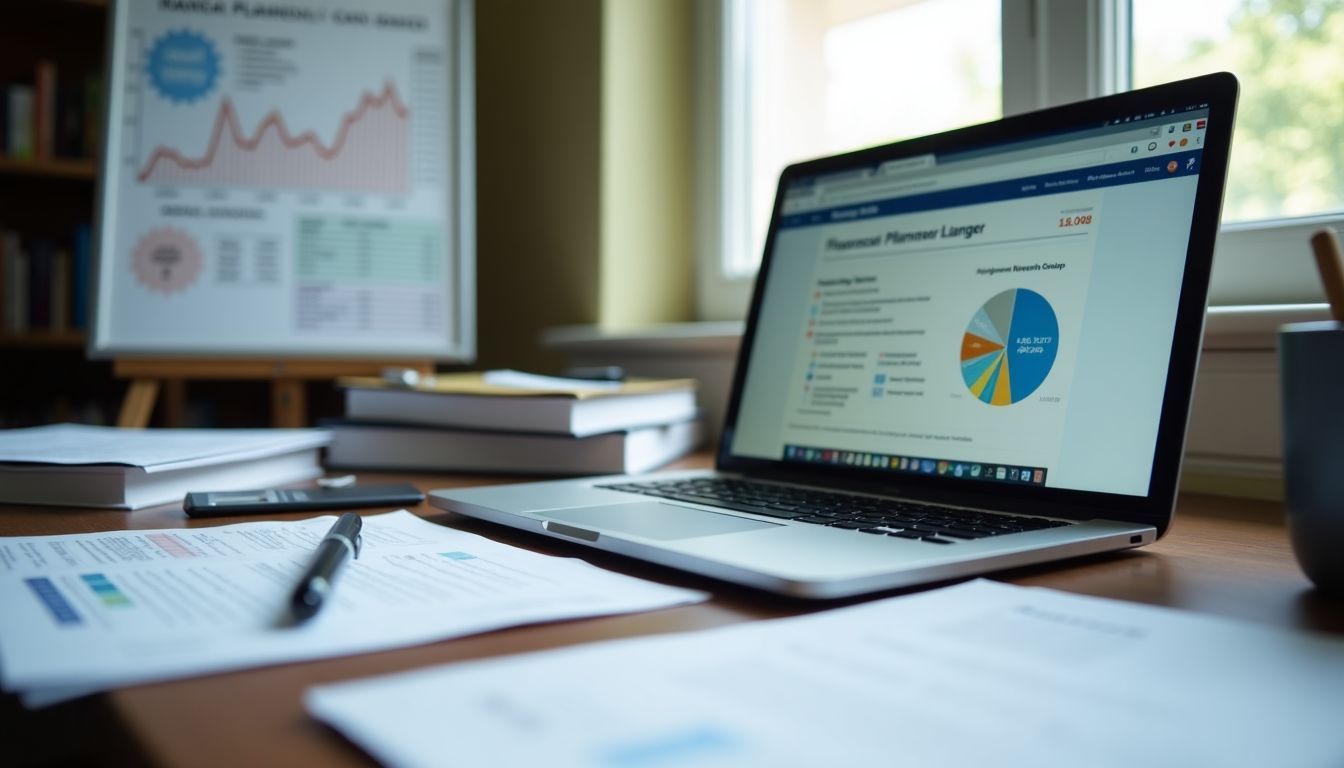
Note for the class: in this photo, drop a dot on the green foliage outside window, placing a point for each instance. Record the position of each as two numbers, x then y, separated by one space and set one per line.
1288 145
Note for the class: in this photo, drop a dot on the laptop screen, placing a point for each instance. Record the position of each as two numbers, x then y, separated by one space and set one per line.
999 313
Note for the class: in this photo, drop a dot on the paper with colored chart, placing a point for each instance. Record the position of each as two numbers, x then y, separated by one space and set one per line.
94 611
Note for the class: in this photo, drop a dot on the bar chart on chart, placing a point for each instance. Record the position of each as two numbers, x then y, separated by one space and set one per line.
301 163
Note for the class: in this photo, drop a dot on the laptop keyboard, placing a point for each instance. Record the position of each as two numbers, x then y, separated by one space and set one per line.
865 514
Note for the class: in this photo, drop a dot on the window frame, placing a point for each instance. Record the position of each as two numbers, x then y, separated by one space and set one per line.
1054 52
722 171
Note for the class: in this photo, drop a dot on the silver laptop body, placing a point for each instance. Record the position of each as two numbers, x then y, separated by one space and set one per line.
965 352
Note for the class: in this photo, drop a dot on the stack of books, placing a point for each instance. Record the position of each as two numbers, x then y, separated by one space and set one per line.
76 465
508 422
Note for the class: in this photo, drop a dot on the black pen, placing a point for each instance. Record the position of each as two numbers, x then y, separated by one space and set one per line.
343 539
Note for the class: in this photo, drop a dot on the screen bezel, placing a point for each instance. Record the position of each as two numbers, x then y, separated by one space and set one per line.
1218 93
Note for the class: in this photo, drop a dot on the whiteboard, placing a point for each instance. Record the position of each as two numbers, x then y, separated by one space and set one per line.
292 178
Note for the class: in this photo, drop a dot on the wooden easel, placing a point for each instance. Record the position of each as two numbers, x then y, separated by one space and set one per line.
289 404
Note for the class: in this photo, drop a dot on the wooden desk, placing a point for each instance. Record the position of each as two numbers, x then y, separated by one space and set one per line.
1222 556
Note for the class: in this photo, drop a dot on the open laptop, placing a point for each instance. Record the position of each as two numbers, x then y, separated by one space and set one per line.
965 352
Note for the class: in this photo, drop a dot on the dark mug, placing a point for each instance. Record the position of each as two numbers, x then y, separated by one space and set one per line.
1311 369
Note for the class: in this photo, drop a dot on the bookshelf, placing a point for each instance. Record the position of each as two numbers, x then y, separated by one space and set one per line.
54 168
52 56
44 340
46 196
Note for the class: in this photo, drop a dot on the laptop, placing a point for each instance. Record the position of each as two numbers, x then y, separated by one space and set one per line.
965 352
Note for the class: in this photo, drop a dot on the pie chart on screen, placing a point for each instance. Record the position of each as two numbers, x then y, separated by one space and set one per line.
1009 347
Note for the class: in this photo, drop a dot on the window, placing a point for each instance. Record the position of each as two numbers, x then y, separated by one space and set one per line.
867 62
783 58
1284 179
1286 159
843 55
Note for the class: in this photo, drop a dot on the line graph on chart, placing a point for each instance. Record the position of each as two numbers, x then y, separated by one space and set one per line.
369 152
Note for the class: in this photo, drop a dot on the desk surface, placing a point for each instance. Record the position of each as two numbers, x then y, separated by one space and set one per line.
1225 557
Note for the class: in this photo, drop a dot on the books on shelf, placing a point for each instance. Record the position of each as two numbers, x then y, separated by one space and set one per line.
509 401
85 466
365 445
50 115
44 282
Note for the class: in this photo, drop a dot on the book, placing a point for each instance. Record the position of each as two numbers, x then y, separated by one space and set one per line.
41 254
21 121
508 401
16 284
91 115
4 118
44 131
70 118
85 466
59 319
5 244
79 278
362 445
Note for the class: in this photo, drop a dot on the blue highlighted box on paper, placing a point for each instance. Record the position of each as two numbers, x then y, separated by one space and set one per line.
51 597
458 555
686 747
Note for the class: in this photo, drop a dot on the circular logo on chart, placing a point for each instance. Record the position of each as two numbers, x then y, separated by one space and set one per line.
182 65
166 260
1009 347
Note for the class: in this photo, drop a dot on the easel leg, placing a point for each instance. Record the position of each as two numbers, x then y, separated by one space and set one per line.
138 405
289 401
289 406
174 402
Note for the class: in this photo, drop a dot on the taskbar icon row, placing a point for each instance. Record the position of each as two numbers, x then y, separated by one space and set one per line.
1003 473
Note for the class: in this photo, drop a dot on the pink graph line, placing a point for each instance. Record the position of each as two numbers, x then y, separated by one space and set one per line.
228 118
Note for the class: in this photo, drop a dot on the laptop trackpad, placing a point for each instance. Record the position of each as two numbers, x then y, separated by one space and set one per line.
654 520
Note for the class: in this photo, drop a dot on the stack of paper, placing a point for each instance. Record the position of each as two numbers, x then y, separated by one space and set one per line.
93 611
980 674
83 466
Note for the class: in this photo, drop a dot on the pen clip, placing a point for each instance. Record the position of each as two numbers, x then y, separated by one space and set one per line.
359 544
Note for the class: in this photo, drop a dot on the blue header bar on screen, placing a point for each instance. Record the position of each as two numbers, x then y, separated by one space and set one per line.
1165 166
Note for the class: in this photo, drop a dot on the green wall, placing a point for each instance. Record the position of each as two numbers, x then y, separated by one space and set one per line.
538 97
583 119
646 231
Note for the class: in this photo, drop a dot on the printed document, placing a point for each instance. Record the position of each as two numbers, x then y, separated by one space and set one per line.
972 675
94 611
